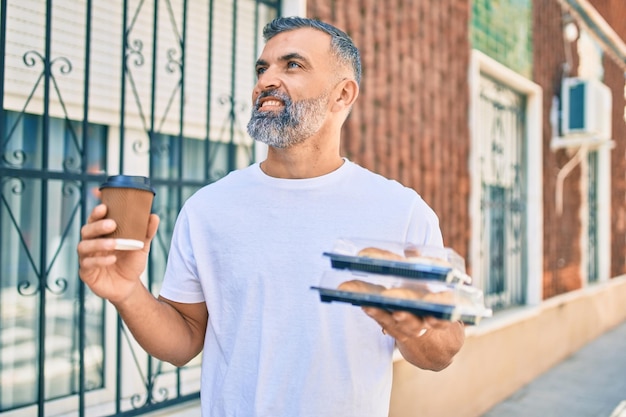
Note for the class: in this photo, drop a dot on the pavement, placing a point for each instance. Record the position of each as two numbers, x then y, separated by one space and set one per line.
589 383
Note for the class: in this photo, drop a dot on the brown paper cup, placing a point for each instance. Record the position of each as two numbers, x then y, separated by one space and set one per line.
129 202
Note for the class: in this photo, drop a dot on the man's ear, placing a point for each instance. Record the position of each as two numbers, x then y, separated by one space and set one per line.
346 93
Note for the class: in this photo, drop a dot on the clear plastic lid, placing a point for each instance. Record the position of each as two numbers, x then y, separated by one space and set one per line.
396 258
419 296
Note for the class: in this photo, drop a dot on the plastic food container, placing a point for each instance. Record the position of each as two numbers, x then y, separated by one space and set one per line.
422 297
400 259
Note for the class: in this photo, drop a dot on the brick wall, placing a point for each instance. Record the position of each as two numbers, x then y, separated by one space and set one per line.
614 11
562 233
411 120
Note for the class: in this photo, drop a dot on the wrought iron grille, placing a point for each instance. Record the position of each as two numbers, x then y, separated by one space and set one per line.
503 194
592 227
90 89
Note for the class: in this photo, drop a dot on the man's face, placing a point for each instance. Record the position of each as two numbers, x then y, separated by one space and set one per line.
290 99
293 123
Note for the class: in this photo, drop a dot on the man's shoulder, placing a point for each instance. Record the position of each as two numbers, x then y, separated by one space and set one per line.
374 179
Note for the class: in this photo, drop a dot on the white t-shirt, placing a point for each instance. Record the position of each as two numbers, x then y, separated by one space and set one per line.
251 246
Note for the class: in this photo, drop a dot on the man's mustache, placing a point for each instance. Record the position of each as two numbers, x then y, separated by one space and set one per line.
272 93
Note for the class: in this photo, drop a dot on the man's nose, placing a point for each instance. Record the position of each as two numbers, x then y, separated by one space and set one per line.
268 80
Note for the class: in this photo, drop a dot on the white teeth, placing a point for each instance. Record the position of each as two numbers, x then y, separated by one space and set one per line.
271 103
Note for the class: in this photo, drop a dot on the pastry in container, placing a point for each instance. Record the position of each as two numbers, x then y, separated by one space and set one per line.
401 259
422 297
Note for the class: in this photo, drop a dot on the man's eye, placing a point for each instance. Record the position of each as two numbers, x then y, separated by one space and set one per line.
293 64
260 70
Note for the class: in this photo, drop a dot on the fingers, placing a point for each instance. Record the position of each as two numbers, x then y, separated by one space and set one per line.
97 229
93 251
382 317
409 325
89 262
435 323
97 225
399 324
153 225
91 247
97 213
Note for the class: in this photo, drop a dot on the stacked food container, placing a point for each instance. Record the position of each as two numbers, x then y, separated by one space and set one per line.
424 280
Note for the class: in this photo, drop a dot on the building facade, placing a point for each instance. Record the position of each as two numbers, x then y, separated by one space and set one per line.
91 89
461 100
422 116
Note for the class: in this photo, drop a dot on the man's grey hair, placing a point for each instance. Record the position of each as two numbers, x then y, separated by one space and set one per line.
341 44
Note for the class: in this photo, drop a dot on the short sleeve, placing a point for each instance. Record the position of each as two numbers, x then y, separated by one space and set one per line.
181 282
424 225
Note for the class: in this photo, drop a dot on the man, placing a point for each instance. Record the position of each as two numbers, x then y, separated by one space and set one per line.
247 249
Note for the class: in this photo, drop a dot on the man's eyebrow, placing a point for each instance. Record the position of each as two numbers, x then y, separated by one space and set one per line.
286 57
293 55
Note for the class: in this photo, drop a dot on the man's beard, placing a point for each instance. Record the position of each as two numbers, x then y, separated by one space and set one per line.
296 122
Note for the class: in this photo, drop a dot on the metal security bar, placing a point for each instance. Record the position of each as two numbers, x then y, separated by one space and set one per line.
91 89
592 226
503 194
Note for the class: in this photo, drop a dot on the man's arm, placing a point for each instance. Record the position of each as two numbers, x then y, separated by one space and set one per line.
173 332
170 331
425 342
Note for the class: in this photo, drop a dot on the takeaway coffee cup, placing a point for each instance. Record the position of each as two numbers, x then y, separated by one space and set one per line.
129 201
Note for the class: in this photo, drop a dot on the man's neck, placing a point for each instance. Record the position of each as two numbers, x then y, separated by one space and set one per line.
298 163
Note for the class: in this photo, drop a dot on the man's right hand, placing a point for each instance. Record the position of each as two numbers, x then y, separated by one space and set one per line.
110 273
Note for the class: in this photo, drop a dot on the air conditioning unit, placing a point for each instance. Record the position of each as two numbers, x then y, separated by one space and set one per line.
585 110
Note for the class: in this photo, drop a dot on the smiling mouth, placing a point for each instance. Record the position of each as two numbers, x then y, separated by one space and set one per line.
271 105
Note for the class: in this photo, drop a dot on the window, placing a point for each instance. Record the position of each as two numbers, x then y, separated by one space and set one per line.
505 202
165 100
40 218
